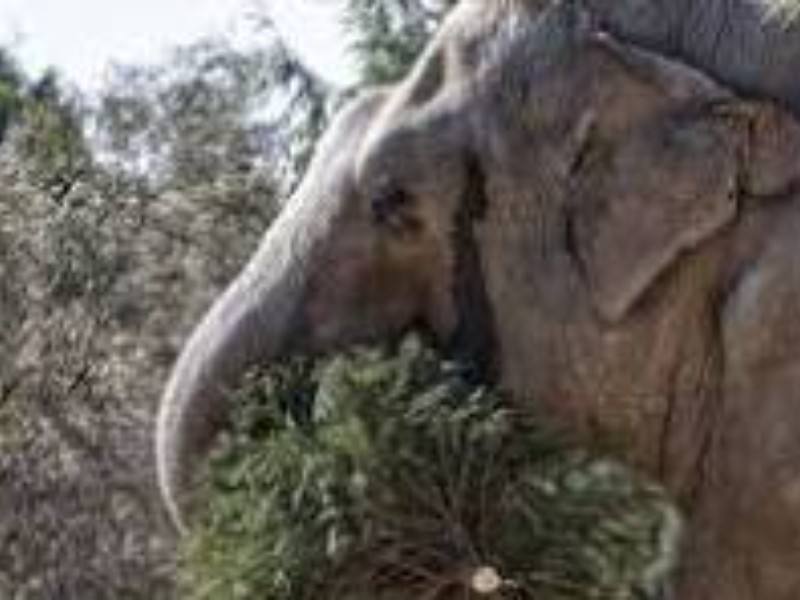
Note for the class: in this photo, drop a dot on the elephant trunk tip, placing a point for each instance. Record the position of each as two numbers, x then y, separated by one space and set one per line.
170 461
191 414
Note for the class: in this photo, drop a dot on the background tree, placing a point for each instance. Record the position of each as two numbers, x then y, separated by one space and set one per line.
100 260
78 520
387 35
11 84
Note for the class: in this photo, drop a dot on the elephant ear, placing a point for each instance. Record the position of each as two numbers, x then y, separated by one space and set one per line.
655 174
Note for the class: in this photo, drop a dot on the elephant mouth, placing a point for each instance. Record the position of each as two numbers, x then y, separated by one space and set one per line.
474 339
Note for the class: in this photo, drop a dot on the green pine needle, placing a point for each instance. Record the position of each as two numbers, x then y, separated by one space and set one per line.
384 475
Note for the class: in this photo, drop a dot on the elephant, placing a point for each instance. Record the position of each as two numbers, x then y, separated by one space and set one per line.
602 228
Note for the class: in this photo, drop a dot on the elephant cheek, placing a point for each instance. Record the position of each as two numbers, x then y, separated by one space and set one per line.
439 305
356 301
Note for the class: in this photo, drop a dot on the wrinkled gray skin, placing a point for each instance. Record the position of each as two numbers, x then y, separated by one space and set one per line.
749 45
605 231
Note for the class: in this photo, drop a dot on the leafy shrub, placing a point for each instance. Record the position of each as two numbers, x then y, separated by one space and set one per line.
386 475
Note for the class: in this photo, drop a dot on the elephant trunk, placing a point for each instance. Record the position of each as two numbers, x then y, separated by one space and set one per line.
250 323
260 314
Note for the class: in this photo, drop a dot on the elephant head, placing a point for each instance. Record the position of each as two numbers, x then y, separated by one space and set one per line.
551 203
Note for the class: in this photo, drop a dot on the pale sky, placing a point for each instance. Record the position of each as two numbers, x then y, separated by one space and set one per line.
80 37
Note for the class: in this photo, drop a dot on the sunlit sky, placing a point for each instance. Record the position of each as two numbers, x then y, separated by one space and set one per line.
81 37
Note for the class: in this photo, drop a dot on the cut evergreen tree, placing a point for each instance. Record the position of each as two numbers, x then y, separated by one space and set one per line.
386 475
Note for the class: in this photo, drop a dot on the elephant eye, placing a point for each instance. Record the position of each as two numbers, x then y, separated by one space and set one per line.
392 209
388 203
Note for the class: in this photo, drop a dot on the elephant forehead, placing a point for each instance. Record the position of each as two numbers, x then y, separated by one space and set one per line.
427 114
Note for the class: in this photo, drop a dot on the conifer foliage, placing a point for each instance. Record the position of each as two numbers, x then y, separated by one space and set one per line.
385 475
